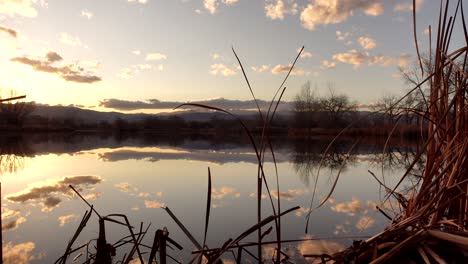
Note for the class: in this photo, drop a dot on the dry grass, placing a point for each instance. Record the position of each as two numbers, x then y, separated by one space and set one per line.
433 225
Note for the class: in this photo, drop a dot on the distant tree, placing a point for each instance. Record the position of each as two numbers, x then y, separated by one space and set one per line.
337 107
306 105
387 104
15 112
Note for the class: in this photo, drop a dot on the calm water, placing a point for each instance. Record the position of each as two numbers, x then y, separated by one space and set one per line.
137 175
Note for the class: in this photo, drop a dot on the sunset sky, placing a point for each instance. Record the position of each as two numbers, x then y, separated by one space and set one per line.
88 52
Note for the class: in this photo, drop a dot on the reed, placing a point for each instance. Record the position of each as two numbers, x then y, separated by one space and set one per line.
433 225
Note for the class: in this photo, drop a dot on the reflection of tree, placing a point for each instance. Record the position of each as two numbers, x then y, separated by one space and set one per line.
13 150
310 154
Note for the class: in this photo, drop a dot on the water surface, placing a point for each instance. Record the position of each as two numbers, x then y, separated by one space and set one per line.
137 175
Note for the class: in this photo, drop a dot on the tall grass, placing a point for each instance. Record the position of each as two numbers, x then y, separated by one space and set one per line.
433 224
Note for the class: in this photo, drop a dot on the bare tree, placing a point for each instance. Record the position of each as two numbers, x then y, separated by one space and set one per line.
15 112
337 106
306 105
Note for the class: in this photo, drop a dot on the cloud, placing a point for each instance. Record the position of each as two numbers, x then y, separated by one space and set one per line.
13 33
132 70
18 254
219 194
216 56
408 6
260 69
64 219
218 157
47 194
302 211
144 194
227 104
276 9
365 222
7 213
318 247
402 61
342 36
305 54
212 5
18 7
53 56
367 43
124 187
87 14
153 204
221 69
70 40
155 56
278 69
289 195
323 12
353 207
13 225
328 65
352 57
70 72
138 1
374 9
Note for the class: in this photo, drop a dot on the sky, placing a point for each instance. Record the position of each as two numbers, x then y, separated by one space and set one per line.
145 53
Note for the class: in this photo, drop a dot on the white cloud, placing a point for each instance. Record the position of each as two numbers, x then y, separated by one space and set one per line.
219 194
64 219
153 204
155 56
367 43
278 69
342 36
365 222
402 61
328 65
373 9
305 54
138 1
210 5
87 14
18 7
408 6
260 69
323 12
131 71
18 254
277 9
68 39
221 69
352 57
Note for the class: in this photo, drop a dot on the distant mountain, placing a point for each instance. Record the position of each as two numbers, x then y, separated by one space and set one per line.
92 116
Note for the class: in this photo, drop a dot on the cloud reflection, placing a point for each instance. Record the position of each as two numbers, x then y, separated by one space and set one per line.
18 254
13 225
217 157
219 194
48 194
353 207
319 247
64 219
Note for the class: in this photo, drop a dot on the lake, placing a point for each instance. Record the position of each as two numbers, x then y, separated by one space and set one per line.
136 175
